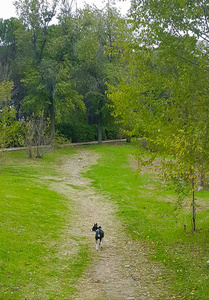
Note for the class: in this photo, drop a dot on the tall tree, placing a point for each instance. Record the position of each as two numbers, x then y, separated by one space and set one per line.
46 74
96 63
8 57
163 93
32 37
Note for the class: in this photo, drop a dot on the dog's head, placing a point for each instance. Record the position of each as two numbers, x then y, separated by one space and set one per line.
95 227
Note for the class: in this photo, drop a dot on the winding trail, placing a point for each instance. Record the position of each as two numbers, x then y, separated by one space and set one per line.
119 271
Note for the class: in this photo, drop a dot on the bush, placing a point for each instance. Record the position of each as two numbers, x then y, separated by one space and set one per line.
15 135
78 132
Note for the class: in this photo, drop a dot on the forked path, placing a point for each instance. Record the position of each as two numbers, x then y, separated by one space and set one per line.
121 269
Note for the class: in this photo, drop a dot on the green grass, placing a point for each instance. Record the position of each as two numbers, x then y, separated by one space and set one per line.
152 216
32 221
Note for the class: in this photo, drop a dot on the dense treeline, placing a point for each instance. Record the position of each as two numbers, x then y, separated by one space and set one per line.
57 74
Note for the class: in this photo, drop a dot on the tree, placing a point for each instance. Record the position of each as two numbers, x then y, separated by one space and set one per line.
99 34
162 98
32 37
38 138
45 69
179 30
8 61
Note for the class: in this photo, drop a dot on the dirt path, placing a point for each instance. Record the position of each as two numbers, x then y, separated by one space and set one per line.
121 269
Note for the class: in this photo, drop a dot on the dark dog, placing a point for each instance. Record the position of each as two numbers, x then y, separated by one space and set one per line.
99 235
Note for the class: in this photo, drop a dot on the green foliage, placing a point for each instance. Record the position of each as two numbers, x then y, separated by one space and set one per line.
44 65
179 18
162 95
111 131
37 95
98 62
88 43
67 98
60 69
78 132
5 93
82 132
9 128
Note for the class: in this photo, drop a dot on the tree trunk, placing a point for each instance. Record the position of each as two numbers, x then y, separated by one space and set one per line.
38 145
30 150
193 211
52 117
100 128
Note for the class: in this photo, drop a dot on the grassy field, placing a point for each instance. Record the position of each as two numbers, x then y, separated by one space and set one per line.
32 220
150 213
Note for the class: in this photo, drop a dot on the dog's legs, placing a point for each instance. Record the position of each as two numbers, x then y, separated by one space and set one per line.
101 243
96 245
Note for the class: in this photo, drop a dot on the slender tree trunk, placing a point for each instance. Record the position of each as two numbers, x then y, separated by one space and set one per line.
193 209
38 145
30 149
30 136
38 151
100 128
52 117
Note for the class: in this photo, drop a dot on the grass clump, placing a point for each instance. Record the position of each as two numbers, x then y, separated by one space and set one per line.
151 214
